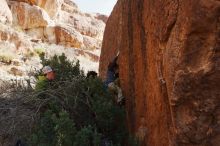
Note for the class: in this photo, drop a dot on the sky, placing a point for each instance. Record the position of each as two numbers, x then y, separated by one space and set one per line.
96 6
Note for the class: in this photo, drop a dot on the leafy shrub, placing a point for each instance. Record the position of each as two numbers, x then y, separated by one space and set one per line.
6 58
41 83
54 129
65 70
39 51
79 111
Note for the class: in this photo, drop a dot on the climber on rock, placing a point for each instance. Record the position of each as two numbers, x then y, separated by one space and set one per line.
112 72
112 81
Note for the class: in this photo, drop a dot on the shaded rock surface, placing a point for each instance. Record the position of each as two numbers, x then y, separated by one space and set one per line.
169 69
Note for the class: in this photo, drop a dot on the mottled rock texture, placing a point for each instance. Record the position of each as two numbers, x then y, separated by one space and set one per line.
28 16
169 69
5 13
52 7
13 41
66 36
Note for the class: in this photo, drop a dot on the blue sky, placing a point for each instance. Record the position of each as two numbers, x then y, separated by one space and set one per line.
97 6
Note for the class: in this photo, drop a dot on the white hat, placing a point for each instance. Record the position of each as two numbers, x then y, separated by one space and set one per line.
46 69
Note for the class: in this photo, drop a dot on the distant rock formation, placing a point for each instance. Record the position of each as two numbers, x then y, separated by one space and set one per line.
102 17
36 16
169 69
28 25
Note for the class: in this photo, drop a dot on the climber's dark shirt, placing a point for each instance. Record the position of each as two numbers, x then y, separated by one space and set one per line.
111 76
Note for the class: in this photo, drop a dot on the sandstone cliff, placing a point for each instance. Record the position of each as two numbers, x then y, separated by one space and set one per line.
30 26
169 69
36 17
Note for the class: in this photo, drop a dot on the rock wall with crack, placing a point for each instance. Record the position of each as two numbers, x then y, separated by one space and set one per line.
169 69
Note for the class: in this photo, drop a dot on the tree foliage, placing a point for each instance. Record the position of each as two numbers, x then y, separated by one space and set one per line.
77 111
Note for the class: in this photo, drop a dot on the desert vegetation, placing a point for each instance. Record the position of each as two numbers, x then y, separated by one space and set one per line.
72 110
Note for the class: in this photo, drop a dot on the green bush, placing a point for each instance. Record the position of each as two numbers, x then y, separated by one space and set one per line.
79 111
41 83
65 70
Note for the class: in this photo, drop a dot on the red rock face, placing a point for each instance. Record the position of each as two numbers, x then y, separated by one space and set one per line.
112 38
169 69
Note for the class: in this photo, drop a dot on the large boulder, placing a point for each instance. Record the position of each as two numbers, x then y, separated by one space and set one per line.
91 43
52 7
5 13
67 36
10 37
60 35
28 16
84 23
169 69
70 7
36 33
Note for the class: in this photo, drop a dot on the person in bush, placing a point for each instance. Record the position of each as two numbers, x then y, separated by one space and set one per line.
112 81
49 73
48 76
